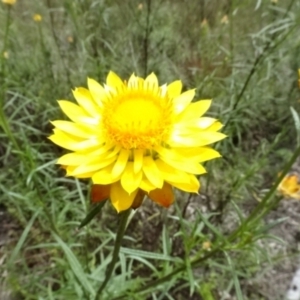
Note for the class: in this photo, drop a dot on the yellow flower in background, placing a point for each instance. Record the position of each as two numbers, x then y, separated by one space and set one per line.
37 18
6 55
70 39
290 186
204 23
135 138
9 2
224 20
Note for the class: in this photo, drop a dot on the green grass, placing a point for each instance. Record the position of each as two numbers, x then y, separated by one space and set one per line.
248 66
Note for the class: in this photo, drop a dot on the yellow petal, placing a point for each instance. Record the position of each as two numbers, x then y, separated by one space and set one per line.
138 155
71 143
130 181
200 154
64 140
152 173
79 158
183 100
97 91
191 187
203 138
194 110
73 159
100 192
75 129
72 111
70 170
195 127
114 81
170 173
163 196
146 185
105 176
215 126
121 162
151 82
169 153
85 100
199 123
120 199
135 82
174 89
186 166
163 90
93 166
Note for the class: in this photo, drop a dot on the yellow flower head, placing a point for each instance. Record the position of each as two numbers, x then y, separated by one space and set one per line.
9 2
6 54
290 186
70 39
224 20
135 138
37 18
204 23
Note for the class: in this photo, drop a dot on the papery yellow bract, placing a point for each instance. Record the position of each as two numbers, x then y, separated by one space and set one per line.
135 138
290 186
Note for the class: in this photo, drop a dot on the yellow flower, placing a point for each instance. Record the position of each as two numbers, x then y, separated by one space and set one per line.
206 245
37 18
224 20
70 39
290 186
6 54
135 138
9 2
204 23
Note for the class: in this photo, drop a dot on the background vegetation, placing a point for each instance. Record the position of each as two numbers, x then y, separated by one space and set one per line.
243 54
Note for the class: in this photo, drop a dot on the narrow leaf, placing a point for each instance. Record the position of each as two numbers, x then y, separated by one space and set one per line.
92 213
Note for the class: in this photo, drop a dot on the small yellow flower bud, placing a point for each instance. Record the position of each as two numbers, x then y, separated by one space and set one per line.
140 6
204 23
206 246
37 18
9 2
224 20
5 55
70 39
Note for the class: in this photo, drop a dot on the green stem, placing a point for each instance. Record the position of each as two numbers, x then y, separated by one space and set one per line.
121 230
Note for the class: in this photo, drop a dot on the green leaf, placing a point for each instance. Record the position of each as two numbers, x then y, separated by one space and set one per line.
92 213
297 123
205 291
75 265
22 239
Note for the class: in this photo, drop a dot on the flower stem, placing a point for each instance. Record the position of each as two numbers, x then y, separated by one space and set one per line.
121 230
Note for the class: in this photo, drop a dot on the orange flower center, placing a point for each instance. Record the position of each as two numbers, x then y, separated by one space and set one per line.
137 120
